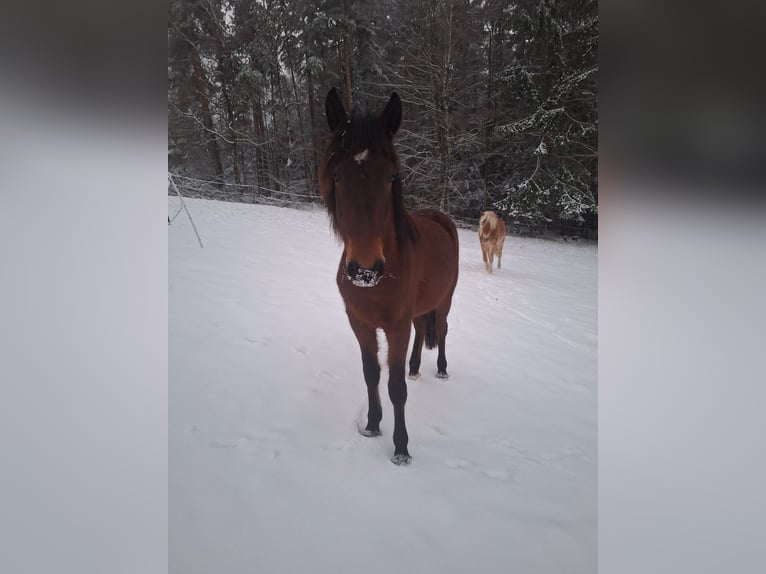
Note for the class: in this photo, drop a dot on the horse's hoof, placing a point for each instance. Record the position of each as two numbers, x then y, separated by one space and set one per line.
401 459
368 432
414 377
442 375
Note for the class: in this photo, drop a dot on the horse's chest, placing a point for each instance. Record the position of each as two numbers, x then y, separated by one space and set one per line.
376 306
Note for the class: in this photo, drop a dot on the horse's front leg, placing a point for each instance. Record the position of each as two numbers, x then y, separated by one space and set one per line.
368 343
398 337
490 257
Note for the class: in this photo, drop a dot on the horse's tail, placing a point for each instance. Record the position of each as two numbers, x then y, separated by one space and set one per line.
431 330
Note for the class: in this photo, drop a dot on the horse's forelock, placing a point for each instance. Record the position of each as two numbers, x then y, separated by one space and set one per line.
488 217
363 132
487 224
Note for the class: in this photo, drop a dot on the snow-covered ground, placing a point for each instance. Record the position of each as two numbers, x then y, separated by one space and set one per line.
267 472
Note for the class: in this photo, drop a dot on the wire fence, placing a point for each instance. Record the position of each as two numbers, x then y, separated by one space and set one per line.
295 195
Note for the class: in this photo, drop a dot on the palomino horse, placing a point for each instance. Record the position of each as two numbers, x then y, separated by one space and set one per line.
397 268
491 237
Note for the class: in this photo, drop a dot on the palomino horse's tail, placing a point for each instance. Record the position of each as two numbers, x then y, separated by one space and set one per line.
431 330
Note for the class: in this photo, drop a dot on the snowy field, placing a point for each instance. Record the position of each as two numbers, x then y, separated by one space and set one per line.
267 472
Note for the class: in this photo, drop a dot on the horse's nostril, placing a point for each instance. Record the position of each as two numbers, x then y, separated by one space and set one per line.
352 269
377 267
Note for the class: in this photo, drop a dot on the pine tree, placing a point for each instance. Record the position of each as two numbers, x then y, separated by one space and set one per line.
551 132
500 100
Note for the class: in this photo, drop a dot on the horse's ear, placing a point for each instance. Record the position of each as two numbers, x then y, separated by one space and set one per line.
392 115
336 113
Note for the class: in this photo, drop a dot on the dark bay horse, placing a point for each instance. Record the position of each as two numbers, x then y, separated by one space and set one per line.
397 268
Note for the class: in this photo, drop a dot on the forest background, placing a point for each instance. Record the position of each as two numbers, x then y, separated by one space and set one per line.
500 101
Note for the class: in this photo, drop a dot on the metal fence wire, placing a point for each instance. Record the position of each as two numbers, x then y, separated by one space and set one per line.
295 195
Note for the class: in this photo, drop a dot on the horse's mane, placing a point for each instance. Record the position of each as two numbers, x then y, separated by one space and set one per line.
363 132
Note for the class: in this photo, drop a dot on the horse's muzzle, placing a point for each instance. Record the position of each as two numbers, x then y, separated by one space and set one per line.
362 277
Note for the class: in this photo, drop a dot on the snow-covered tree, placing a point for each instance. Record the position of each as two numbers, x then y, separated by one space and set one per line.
500 99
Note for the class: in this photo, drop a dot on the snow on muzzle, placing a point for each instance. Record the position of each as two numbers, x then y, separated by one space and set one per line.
362 277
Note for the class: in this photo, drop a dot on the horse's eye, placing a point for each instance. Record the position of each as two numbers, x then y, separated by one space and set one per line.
335 177
392 178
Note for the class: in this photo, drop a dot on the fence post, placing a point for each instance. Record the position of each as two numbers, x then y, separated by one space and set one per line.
183 203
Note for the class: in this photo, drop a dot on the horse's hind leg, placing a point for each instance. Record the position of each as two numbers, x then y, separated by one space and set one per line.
499 253
441 334
368 343
417 346
441 360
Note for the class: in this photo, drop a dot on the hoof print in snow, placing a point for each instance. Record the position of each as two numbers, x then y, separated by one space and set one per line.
368 433
226 443
442 375
414 377
401 459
